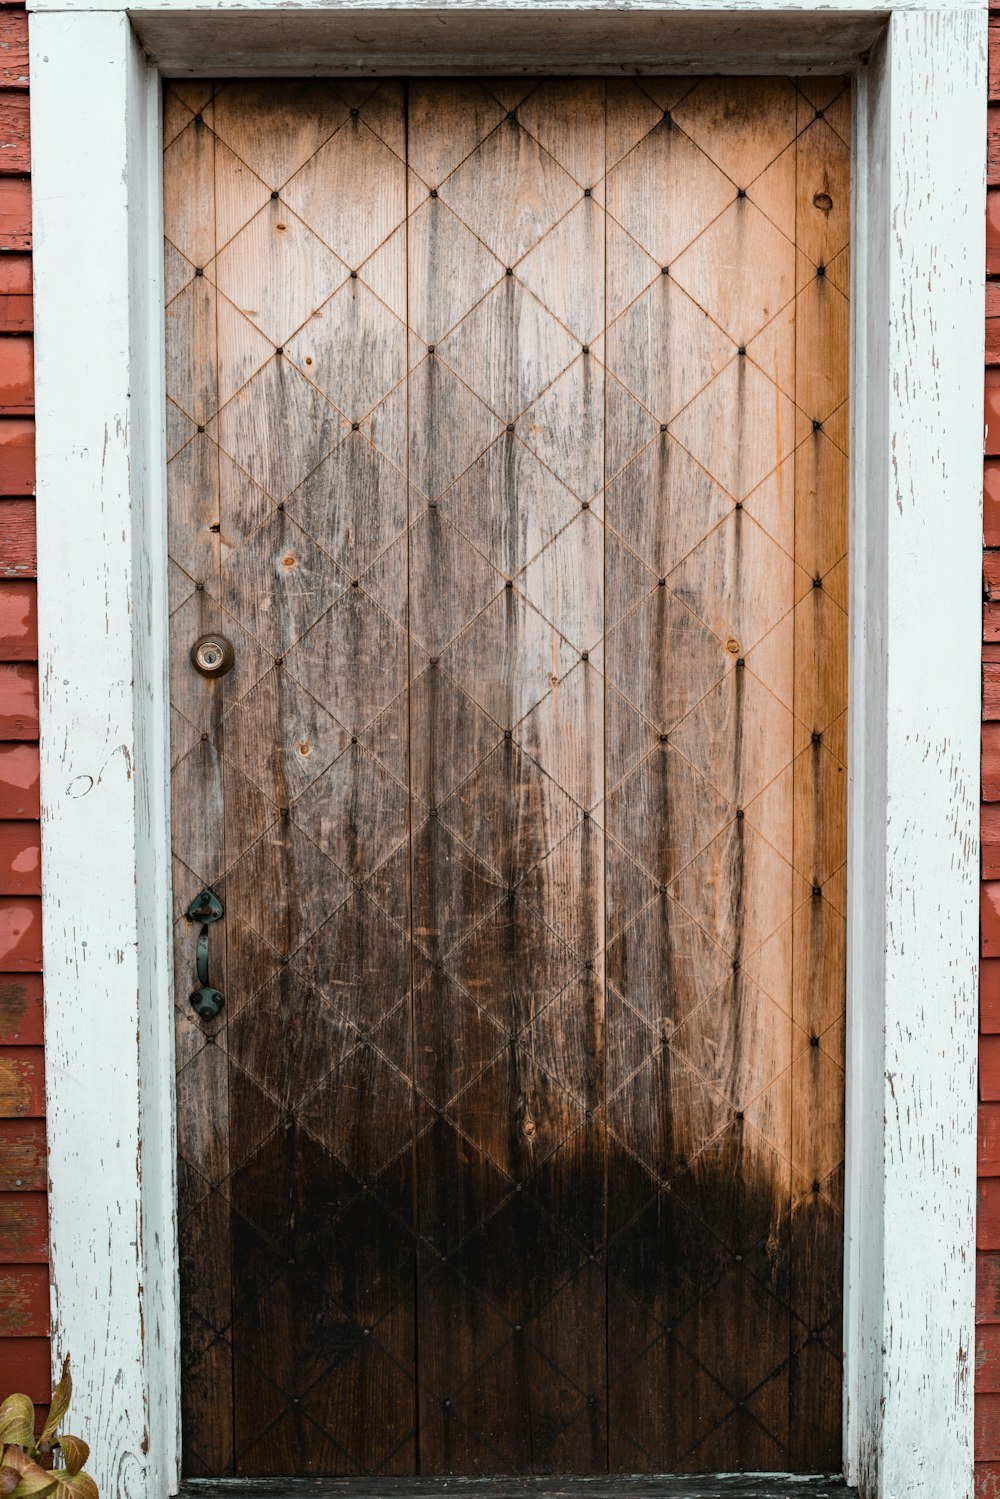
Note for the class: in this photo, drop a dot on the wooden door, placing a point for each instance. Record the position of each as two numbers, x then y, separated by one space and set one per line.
507 427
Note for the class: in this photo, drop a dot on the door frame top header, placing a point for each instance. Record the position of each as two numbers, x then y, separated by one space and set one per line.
918 253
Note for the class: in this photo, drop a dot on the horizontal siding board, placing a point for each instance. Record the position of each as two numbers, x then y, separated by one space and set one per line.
19 619
20 934
991 687
991 762
19 792
991 502
988 1358
20 1007
987 1442
989 1067
988 1213
21 858
15 213
988 1286
18 700
23 1163
24 1301
17 451
993 232
15 132
17 313
989 1139
18 550
992 396
989 918
22 1082
987 1481
17 375
24 1228
26 1367
989 823
15 272
989 995
14 49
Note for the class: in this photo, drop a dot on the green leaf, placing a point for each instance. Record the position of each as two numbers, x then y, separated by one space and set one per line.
61 1396
75 1451
17 1414
13 1433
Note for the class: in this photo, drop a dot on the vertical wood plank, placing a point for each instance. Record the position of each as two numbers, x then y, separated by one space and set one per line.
506 598
820 791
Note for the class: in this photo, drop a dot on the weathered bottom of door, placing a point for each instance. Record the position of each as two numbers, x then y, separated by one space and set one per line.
742 1486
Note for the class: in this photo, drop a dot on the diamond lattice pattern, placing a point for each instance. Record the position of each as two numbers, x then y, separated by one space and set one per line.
507 430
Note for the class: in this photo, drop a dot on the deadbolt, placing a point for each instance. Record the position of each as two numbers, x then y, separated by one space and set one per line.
212 655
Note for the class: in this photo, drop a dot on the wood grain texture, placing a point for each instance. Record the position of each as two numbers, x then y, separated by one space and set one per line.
15 132
15 213
525 797
24 1301
24 1233
17 538
14 49
22 1155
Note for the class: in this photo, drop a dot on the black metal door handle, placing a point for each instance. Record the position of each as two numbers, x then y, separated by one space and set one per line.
205 1001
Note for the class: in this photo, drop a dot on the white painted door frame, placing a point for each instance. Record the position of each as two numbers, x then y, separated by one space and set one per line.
920 91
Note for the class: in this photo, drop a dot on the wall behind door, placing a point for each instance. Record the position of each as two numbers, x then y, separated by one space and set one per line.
24 1291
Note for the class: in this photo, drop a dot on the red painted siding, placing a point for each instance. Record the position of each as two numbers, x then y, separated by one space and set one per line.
24 1280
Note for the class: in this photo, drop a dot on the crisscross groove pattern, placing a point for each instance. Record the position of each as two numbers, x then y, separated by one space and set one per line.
507 433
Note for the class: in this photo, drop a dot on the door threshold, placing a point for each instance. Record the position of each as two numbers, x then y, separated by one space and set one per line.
667 1486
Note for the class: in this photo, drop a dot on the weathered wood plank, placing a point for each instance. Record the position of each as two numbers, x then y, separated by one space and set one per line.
14 49
22 1082
22 1155
24 1302
989 994
18 556
15 213
24 1232
989 1139
987 1436
21 1006
15 132
991 502
993 232
757 1486
987 1287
